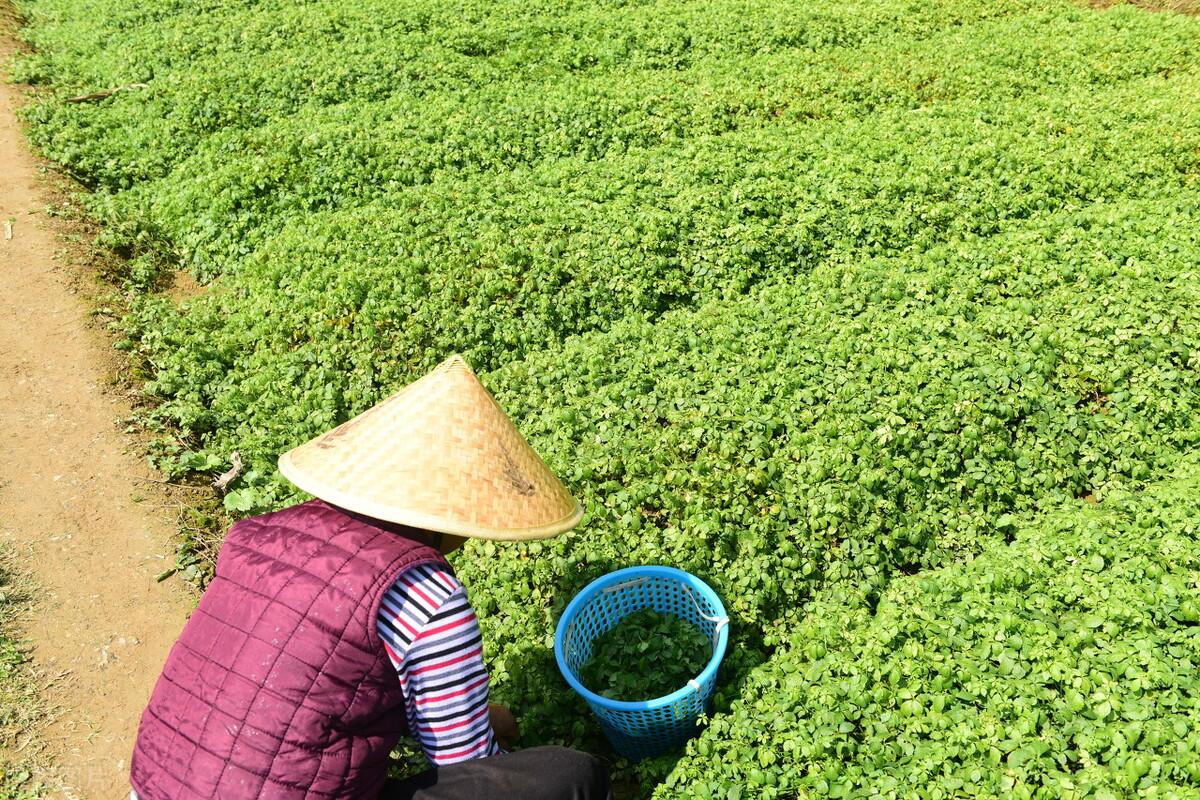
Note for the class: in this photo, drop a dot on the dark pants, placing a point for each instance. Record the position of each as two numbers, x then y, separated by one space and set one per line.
539 773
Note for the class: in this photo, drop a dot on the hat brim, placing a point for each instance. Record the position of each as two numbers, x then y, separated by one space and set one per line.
401 516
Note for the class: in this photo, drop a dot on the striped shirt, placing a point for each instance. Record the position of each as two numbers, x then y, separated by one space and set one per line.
432 638
431 635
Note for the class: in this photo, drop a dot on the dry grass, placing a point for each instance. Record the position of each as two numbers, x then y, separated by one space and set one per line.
20 706
1176 6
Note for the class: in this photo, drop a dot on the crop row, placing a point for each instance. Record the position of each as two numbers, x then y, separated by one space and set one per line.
218 65
223 186
240 186
1060 666
872 418
331 310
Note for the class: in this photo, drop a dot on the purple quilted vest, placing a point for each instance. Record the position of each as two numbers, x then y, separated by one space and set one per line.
279 686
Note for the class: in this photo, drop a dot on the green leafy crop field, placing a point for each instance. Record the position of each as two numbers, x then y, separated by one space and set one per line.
881 317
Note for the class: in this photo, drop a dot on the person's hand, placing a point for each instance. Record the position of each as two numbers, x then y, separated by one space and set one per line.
504 724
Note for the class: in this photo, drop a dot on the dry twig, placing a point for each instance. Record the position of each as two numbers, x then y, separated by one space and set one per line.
226 478
86 98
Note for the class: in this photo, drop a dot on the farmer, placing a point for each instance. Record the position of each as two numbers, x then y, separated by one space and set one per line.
336 626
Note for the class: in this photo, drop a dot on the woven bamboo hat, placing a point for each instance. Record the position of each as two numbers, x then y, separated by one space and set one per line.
440 455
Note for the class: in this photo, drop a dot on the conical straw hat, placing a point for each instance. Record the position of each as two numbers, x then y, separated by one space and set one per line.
440 455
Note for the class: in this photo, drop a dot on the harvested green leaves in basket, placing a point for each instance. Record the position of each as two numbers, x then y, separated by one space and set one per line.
646 655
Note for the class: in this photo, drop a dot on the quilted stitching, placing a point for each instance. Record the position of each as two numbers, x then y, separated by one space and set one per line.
278 686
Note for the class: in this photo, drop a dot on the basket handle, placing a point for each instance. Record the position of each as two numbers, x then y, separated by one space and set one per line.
624 585
721 621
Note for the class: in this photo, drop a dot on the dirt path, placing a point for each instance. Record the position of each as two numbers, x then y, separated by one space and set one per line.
102 626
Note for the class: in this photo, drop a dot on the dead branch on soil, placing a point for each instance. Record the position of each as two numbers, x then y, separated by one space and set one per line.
87 98
226 477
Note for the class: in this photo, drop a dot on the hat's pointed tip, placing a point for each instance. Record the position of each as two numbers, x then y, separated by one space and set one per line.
455 362
455 371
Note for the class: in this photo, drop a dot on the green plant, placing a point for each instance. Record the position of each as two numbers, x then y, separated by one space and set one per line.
646 655
17 783
1059 665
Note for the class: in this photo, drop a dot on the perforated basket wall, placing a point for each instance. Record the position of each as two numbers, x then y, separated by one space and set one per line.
649 727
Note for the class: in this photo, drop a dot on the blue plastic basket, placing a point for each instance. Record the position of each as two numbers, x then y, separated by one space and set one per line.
644 728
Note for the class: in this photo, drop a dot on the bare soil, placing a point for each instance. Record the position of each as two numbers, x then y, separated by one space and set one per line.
76 503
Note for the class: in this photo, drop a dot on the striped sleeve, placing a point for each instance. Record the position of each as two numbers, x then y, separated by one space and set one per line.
432 638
